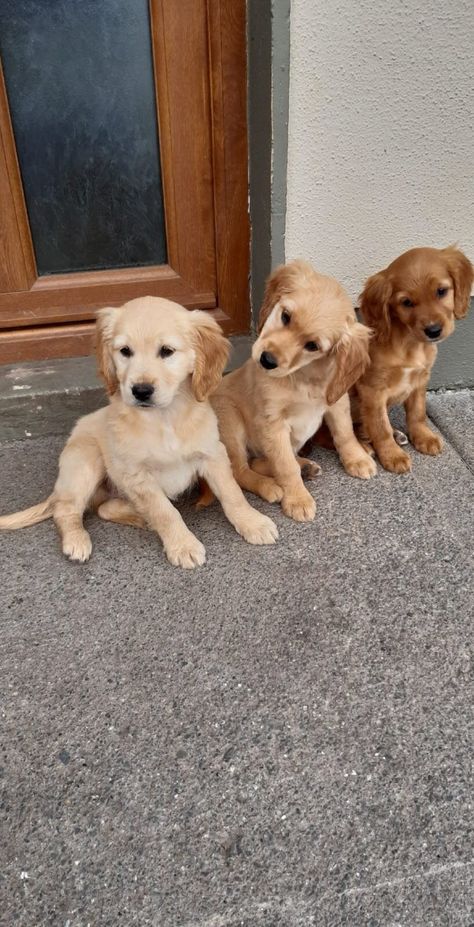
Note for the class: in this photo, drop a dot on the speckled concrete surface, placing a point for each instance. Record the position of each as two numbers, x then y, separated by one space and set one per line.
281 738
453 413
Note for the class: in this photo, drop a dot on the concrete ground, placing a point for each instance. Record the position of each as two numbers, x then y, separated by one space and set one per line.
283 737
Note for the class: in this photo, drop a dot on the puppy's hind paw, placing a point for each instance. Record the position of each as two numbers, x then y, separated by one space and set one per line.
400 437
269 489
121 512
77 545
258 529
309 469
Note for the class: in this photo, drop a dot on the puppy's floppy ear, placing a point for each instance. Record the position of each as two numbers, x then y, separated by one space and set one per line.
212 351
462 273
270 296
352 358
375 305
104 335
281 283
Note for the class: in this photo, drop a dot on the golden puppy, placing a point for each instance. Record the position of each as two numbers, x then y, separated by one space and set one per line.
157 436
411 306
310 350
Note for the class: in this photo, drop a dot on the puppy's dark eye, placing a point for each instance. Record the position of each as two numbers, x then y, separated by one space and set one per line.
311 346
285 317
441 291
126 351
407 303
166 352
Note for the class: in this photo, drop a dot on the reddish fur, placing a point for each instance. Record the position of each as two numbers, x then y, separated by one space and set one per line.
401 355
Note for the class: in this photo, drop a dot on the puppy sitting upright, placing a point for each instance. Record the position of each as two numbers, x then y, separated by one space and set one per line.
157 436
411 306
310 350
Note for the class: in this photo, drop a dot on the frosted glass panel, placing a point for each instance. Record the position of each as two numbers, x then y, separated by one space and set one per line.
80 86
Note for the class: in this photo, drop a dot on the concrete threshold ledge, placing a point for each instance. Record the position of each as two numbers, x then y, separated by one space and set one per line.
47 397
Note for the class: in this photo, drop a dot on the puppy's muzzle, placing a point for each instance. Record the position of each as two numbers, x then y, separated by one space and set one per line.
433 331
143 392
268 361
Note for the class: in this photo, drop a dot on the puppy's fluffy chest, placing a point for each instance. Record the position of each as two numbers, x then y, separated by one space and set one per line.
304 420
168 446
300 402
411 372
304 412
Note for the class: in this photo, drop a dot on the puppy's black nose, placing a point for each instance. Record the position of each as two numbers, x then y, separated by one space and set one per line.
143 391
268 361
434 330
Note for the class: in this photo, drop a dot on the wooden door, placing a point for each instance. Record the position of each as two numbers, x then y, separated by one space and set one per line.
49 292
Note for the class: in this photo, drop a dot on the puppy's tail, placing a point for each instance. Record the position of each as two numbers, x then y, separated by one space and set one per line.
206 495
28 517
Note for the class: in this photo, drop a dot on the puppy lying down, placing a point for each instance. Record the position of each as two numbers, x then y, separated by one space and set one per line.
309 352
156 438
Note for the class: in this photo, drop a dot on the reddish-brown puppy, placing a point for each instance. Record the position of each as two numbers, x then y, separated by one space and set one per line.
410 306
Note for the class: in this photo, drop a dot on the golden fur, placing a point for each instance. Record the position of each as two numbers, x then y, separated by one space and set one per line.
308 330
423 291
158 435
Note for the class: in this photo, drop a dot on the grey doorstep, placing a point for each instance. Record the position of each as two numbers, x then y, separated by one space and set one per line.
46 398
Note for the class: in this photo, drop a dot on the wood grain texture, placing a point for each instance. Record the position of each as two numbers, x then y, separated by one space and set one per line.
47 342
51 341
179 32
76 297
199 52
17 264
228 74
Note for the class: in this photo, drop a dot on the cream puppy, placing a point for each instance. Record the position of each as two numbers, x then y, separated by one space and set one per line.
156 438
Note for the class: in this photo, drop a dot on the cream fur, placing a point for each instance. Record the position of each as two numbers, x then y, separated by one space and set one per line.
151 454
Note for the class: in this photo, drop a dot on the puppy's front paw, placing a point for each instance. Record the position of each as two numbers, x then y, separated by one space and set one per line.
77 545
258 529
362 466
300 507
188 552
426 442
394 459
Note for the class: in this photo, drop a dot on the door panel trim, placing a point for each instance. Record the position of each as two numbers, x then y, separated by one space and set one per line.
51 300
227 36
49 341
17 261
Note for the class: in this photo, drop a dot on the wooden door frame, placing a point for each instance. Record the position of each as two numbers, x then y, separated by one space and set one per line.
52 316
